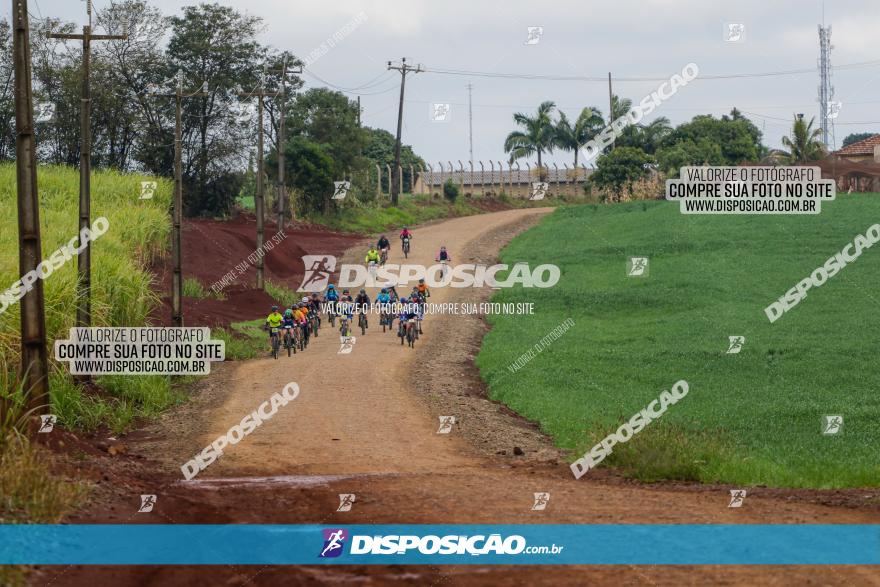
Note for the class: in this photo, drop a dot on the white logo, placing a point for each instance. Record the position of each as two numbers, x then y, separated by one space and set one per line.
147 503
637 267
541 500
833 109
539 190
148 189
346 500
533 35
45 112
734 32
831 424
340 189
736 344
737 496
347 345
446 424
47 422
440 112
318 269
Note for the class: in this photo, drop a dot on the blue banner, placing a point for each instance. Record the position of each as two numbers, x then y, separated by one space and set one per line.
568 544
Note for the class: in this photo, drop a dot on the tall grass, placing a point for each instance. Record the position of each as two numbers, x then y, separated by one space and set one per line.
121 292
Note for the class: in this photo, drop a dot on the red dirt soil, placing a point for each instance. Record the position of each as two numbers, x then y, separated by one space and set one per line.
212 248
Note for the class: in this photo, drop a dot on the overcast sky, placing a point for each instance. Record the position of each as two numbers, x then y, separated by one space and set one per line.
653 38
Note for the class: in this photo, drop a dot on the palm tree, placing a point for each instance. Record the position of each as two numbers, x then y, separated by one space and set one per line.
805 143
620 106
537 135
572 137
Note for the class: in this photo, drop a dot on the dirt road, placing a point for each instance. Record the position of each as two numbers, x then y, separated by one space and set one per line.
366 423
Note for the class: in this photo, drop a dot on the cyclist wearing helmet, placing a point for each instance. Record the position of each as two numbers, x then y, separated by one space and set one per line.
443 255
288 322
363 304
405 233
273 320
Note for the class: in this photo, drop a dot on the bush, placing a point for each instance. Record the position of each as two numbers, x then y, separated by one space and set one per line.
450 190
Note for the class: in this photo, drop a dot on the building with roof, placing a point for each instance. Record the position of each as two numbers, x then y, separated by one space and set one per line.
861 151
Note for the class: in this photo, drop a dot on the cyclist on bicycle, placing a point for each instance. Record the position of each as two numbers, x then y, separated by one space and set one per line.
331 298
383 245
405 233
443 255
303 320
407 314
372 256
363 304
347 307
383 299
287 323
273 320
424 292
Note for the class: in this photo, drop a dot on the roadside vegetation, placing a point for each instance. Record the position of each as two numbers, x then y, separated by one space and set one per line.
752 418
121 295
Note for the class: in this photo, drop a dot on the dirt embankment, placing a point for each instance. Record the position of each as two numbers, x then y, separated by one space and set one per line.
213 248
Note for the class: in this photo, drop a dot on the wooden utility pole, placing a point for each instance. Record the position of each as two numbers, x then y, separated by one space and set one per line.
177 202
259 197
403 68
610 108
34 360
84 259
282 188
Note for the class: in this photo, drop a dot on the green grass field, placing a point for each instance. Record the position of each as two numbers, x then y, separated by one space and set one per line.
752 418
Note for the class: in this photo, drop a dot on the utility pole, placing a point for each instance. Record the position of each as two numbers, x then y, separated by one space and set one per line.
470 124
84 259
34 360
403 68
610 107
282 187
359 111
259 197
177 202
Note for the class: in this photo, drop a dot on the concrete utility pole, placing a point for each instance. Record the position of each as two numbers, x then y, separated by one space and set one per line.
34 360
403 68
84 259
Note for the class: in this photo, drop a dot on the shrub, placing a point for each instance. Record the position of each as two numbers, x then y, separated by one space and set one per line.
450 190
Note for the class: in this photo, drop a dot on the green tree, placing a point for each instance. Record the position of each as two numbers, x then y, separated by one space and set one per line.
380 150
670 159
571 137
537 136
620 168
216 45
805 143
309 170
736 136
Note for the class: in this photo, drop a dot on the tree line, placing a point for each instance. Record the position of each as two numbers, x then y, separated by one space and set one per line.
132 116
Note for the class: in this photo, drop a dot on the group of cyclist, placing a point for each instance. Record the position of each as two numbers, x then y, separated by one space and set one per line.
408 309
296 324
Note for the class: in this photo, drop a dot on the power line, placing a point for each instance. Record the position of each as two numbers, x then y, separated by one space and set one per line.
582 78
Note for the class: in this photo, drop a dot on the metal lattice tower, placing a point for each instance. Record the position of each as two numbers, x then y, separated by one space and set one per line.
826 90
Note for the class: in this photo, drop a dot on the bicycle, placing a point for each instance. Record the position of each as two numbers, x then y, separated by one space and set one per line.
314 322
303 336
383 256
345 326
288 341
276 342
411 333
362 322
385 319
443 269
406 247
